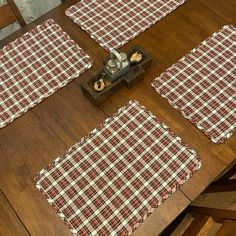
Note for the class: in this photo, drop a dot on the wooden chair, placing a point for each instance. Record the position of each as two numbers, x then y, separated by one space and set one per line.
202 221
9 14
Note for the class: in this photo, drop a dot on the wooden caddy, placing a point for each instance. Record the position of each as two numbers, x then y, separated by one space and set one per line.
135 74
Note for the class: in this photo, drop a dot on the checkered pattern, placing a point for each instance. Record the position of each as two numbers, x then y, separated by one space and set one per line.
202 85
112 180
35 66
112 23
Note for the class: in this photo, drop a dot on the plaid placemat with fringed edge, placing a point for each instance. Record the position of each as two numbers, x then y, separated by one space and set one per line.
111 181
112 23
202 85
35 66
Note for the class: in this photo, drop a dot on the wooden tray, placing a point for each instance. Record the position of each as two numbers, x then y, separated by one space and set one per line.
135 74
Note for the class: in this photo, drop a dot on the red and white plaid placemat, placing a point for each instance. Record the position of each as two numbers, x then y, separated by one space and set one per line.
111 181
112 23
35 66
202 85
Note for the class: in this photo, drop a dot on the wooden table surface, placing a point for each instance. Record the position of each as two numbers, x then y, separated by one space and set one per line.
32 141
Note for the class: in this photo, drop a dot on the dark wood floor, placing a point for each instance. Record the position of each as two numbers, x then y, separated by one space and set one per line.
45 132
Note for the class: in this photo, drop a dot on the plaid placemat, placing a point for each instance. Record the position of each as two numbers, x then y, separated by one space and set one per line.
202 85
35 66
111 181
112 23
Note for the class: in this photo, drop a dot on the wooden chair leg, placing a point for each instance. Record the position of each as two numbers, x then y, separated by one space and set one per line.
201 225
16 12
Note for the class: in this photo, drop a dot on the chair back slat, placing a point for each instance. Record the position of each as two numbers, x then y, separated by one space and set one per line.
9 14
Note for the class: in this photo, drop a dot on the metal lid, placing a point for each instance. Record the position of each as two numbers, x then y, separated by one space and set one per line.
112 64
123 56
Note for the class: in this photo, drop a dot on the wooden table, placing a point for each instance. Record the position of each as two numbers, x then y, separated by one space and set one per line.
45 132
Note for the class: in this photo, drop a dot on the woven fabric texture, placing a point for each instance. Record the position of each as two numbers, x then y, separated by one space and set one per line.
35 66
202 85
112 180
112 23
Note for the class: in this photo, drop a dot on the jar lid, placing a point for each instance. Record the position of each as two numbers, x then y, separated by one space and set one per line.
123 56
112 64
